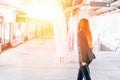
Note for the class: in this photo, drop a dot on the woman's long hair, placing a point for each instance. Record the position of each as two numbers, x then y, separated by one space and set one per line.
84 26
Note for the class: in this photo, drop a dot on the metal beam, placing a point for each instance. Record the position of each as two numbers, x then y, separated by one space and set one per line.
75 7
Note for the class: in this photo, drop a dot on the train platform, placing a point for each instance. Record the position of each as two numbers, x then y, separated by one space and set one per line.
34 60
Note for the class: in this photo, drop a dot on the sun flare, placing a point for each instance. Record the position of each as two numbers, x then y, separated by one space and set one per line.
44 10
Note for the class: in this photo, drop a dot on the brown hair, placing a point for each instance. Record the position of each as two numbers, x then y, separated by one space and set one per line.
84 26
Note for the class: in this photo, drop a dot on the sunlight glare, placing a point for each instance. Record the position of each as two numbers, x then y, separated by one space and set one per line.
44 10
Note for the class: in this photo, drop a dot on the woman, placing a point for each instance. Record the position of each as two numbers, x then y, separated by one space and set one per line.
84 41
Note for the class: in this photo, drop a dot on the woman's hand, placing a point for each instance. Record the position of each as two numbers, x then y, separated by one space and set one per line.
83 63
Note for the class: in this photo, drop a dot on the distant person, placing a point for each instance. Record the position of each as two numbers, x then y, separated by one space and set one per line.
84 42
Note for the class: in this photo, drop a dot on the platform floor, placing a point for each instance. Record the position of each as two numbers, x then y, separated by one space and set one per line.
34 60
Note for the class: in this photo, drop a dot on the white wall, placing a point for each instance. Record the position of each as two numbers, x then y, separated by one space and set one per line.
110 29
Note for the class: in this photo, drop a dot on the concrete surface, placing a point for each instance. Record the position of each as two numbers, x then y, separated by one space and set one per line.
34 60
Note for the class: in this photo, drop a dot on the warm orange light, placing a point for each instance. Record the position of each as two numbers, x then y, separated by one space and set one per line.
44 10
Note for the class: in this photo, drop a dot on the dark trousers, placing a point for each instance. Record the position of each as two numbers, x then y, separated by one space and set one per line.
84 72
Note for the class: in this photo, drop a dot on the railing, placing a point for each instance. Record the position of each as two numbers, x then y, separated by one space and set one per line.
114 46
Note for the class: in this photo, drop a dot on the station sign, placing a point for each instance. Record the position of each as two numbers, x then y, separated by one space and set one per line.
99 4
